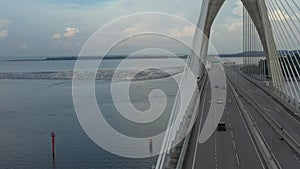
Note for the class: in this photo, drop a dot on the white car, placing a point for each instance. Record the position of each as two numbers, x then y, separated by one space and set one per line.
220 101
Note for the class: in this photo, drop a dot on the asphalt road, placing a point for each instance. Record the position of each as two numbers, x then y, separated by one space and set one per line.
287 158
229 149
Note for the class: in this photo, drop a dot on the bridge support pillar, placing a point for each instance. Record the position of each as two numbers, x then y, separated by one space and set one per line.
258 11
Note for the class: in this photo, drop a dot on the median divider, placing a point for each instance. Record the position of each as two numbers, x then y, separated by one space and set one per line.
292 108
261 144
275 125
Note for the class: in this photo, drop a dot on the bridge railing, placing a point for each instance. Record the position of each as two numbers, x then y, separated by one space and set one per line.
175 157
180 119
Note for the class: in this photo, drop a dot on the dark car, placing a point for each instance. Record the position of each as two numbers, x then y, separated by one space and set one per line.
221 126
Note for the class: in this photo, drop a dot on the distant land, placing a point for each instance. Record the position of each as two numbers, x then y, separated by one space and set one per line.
97 57
259 53
183 56
252 53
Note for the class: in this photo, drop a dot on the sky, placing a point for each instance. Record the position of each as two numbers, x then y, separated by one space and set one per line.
62 27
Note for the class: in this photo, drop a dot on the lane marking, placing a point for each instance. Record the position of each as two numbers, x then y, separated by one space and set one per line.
287 146
238 76
297 158
287 127
231 132
237 159
247 129
267 109
234 146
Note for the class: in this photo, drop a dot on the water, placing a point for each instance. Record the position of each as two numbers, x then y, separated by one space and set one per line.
31 109
67 65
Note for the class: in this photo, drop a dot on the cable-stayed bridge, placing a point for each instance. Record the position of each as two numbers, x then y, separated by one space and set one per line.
260 99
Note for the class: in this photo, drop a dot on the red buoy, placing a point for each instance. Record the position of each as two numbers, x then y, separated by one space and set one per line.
53 141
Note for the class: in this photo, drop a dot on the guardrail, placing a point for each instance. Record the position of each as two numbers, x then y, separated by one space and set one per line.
272 122
193 118
257 136
293 109
177 154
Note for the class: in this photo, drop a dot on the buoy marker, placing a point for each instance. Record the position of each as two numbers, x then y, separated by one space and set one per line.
53 141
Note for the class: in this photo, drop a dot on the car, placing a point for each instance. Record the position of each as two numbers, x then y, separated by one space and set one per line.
220 101
216 86
221 126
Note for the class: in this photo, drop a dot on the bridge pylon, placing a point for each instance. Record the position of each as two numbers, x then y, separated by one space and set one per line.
258 12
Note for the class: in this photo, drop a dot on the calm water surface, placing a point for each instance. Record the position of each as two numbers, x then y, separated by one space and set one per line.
31 109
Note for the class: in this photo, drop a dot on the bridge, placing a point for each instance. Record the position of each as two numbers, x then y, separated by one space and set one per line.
260 98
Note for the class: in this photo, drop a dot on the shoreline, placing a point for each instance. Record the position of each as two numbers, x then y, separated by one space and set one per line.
102 75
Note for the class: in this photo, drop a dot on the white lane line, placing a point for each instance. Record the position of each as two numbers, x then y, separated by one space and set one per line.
287 146
281 108
287 126
237 159
234 146
231 132
297 158
273 101
277 110
199 130
230 126
245 125
267 109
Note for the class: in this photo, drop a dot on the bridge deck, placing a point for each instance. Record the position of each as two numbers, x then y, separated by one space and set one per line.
234 148
230 149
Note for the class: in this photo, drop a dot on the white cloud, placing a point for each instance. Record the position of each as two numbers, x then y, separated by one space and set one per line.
238 9
4 22
70 32
4 34
134 29
56 36
235 25
186 31
3 26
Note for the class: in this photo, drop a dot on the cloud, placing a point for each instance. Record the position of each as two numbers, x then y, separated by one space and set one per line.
186 31
238 9
3 26
56 36
4 22
234 25
4 34
70 32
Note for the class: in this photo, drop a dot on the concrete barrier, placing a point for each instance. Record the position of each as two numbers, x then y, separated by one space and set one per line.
272 122
177 155
292 108
262 146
